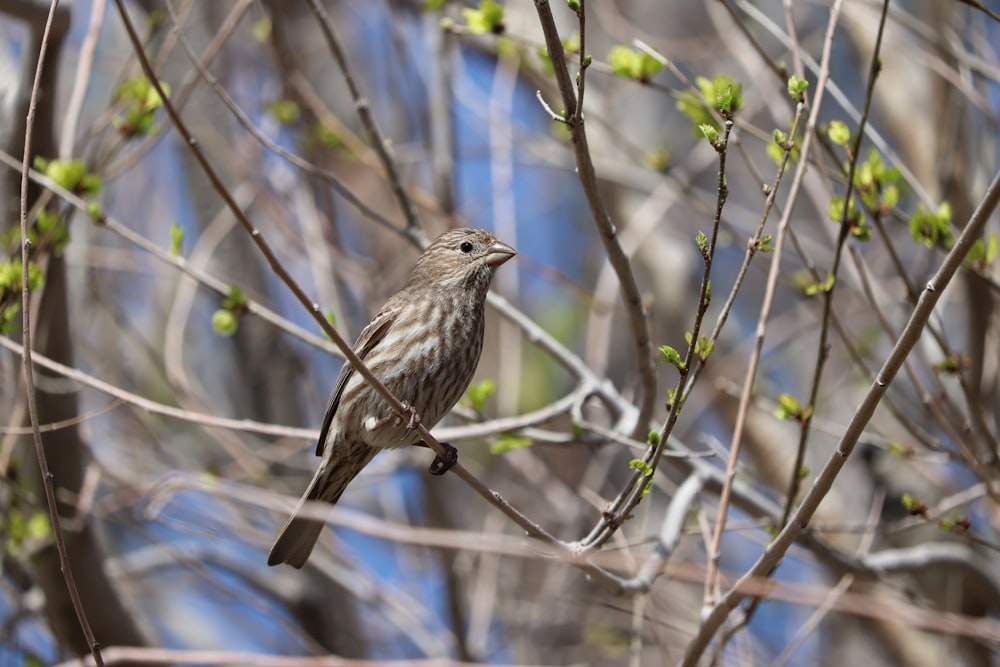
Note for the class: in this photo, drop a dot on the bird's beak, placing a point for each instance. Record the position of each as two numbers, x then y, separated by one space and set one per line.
499 253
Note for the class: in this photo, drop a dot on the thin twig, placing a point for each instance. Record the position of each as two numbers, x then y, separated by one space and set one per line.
822 346
530 527
793 38
670 534
839 96
363 107
65 565
178 262
715 554
123 655
153 407
753 245
632 298
84 68
981 7
846 581
268 143
630 496
821 486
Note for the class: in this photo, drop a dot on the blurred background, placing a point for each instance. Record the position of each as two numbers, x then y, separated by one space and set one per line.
187 426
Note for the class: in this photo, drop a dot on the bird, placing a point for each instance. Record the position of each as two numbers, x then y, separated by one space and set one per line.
424 346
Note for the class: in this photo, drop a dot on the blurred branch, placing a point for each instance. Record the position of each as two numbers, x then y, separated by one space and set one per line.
459 470
163 491
164 255
84 67
713 620
119 655
845 583
186 88
822 346
836 92
442 109
378 141
935 555
671 530
62 423
159 408
603 565
124 397
574 120
271 145
750 378
65 565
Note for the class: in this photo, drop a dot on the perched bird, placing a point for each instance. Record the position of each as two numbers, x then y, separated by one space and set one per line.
424 346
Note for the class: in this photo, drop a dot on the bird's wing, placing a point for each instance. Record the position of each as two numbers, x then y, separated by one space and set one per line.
369 338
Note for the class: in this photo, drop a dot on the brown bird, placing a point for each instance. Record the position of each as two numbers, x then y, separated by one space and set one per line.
424 346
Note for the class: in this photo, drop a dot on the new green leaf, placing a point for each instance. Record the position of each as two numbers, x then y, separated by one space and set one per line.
487 19
508 441
478 392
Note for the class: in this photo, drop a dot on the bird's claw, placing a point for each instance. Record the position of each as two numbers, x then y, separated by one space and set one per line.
440 465
414 421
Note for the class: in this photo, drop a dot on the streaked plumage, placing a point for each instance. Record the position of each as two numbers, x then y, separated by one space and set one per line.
424 345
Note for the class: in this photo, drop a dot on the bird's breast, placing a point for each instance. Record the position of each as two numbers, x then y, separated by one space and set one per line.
426 359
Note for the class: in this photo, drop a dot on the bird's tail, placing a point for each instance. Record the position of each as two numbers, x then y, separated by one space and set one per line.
299 535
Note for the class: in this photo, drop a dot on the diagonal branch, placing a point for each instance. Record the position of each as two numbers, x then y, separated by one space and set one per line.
799 520
573 118
363 106
822 346
529 526
715 553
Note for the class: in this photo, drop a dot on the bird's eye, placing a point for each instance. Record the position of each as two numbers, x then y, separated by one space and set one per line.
466 247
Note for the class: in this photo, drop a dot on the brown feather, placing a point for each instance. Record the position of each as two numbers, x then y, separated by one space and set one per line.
424 346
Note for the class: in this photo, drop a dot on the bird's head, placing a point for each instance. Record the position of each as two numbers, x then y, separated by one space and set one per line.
461 257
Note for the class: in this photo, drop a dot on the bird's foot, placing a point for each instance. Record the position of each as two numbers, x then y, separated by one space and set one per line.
414 421
440 465
396 420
